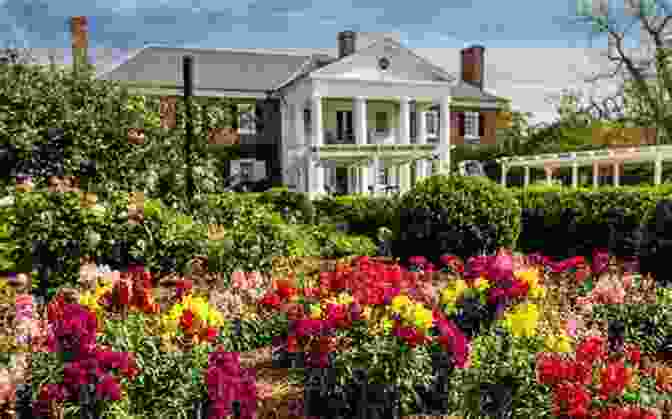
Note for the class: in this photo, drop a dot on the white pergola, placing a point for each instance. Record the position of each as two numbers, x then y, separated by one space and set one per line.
613 157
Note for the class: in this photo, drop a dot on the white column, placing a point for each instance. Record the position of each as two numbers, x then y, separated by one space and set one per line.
575 174
317 183
527 176
422 166
300 136
376 174
404 138
596 173
658 169
617 175
505 169
361 129
444 136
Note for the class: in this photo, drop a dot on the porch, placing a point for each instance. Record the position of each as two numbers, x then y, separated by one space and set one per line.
362 144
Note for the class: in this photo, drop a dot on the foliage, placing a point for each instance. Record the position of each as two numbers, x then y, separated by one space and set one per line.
646 325
254 334
169 382
96 116
363 214
298 203
387 362
439 209
492 362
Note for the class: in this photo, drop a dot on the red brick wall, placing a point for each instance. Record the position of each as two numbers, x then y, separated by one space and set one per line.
490 134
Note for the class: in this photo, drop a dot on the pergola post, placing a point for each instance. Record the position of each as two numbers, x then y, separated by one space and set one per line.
617 177
575 174
658 169
549 175
505 169
527 176
596 171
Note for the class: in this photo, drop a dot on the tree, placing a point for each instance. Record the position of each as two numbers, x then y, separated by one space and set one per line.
96 116
646 78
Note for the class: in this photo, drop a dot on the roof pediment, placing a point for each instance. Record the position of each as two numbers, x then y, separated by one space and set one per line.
402 64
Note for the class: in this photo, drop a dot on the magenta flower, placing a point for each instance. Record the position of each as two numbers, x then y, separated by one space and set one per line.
108 388
600 261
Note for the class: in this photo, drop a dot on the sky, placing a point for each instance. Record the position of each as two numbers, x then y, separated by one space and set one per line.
533 47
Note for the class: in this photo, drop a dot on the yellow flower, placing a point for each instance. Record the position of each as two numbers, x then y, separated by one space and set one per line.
522 321
400 302
531 277
450 294
482 284
423 317
559 343
315 311
345 299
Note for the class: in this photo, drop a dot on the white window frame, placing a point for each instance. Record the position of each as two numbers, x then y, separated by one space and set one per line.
432 124
246 114
471 127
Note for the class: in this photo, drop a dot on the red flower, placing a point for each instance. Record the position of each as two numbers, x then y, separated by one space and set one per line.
571 399
187 320
292 344
633 354
124 293
271 299
591 349
211 334
613 379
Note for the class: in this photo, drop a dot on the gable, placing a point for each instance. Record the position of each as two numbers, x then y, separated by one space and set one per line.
364 65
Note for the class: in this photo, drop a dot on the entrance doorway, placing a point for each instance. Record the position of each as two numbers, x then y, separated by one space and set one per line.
341 184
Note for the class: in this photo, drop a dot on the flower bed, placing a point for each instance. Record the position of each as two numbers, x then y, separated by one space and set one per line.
504 322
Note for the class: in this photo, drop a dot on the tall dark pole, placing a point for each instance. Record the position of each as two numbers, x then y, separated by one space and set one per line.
188 74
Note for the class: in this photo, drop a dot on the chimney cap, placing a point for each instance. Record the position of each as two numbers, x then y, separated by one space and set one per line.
474 46
346 34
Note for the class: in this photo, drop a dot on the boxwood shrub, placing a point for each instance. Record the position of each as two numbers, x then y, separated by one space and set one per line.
437 215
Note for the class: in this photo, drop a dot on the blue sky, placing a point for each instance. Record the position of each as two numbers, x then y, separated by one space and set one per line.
129 24
533 49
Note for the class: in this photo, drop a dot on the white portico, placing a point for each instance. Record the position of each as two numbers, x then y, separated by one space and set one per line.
349 124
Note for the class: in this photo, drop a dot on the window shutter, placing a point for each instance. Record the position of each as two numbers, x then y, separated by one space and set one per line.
339 125
481 125
350 131
413 125
460 123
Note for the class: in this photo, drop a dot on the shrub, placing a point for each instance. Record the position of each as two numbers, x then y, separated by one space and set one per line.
254 235
446 214
298 203
364 214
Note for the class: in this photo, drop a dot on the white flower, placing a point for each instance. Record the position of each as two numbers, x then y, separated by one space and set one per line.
99 210
7 201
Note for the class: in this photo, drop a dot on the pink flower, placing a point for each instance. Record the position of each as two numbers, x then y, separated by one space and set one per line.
238 279
571 327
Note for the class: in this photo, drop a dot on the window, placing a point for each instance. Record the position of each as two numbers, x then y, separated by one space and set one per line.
432 124
381 122
246 119
414 125
344 130
471 125
307 121
383 176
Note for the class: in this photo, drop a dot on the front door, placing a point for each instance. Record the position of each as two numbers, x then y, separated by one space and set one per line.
341 184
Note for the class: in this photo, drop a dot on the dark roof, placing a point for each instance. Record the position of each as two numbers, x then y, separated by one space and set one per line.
237 70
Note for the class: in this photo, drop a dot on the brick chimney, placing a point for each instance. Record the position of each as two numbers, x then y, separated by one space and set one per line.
473 65
80 41
346 43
